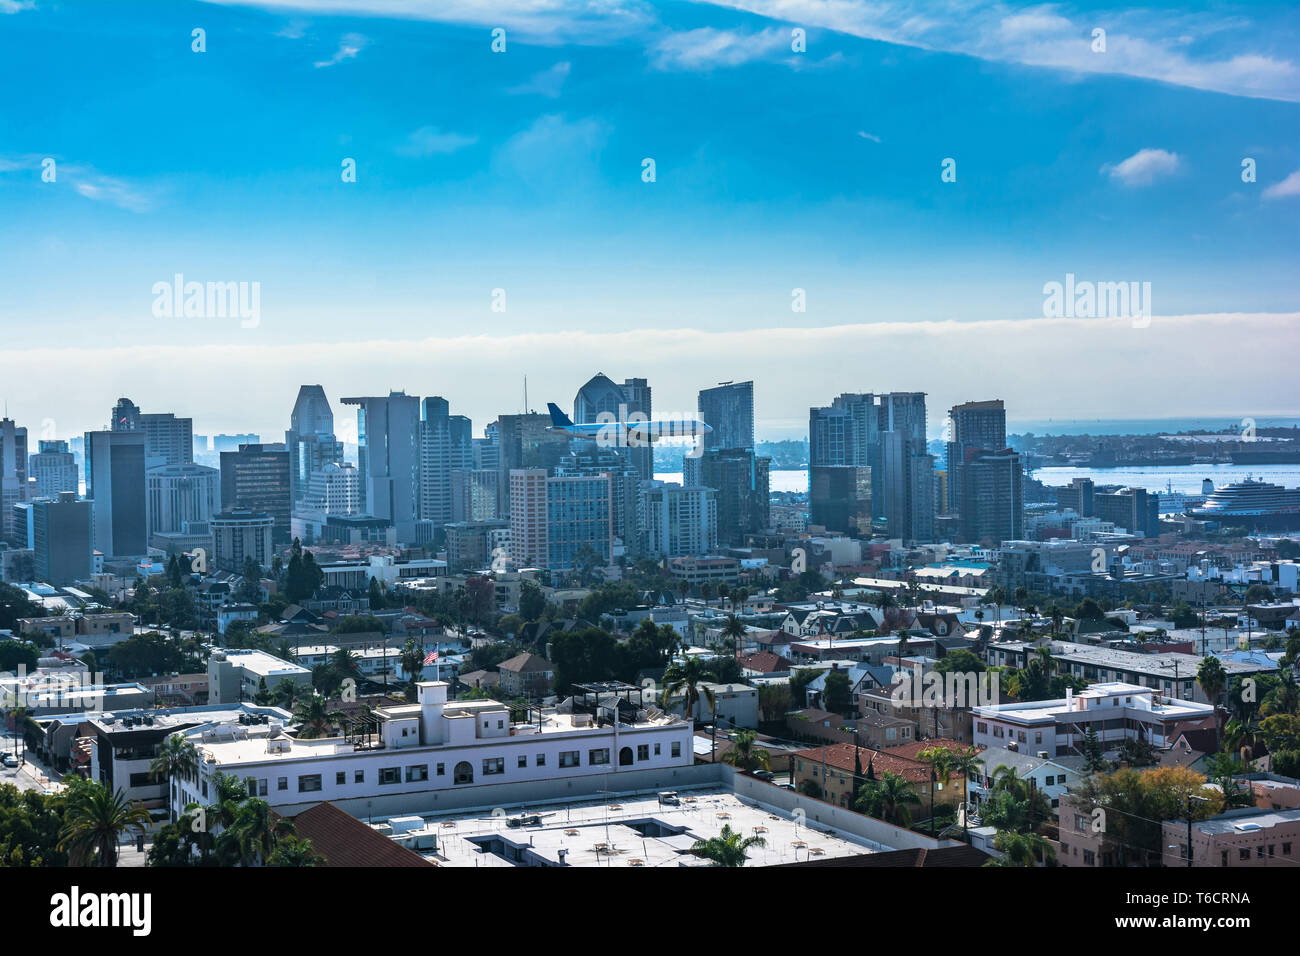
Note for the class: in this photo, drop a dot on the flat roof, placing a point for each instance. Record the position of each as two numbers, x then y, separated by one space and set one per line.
601 832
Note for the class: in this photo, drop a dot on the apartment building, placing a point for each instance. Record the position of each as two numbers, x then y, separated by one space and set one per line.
1115 711
416 750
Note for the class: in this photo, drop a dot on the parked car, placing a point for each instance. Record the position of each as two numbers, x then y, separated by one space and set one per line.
11 761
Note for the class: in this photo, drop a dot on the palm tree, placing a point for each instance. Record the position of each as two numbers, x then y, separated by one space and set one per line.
743 755
177 757
690 685
728 848
734 630
1023 849
287 693
95 820
963 763
888 798
257 830
292 851
939 760
411 660
315 717
1212 678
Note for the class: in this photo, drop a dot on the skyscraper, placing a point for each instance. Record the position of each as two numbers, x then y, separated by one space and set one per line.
256 478
446 445
62 539
975 427
178 495
906 471
993 497
908 476
678 521
844 432
168 440
310 439
388 457
115 481
729 409
601 400
741 480
13 473
55 469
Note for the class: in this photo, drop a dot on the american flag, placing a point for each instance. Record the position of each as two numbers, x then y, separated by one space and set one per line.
430 658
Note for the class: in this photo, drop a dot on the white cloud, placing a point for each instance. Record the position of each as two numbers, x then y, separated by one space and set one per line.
547 83
586 22
553 154
84 179
871 136
1143 167
1152 46
480 374
349 46
431 141
706 48
16 6
1285 189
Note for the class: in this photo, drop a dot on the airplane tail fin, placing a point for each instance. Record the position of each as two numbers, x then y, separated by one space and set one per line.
558 418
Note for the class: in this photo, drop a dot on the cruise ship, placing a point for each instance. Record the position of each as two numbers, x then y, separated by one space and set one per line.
1258 505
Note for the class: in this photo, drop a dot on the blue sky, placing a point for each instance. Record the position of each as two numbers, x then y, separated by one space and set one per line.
521 170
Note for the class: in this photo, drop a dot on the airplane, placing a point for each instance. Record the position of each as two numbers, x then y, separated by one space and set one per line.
631 433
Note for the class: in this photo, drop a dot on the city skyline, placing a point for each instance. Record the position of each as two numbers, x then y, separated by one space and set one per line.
814 177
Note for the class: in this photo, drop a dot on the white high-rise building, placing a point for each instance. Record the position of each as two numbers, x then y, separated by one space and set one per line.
678 521
181 494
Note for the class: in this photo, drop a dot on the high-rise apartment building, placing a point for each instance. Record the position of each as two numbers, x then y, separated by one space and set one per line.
839 498
560 522
388 457
446 445
729 410
528 517
55 469
256 478
741 480
178 495
475 494
115 481
61 539
13 474
168 440
993 497
310 439
239 534
678 521
974 427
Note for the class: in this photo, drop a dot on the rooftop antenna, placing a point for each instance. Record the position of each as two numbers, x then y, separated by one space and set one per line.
525 394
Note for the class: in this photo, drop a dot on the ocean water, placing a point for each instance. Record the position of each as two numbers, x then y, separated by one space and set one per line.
1182 478
1185 479
1146 426
795 479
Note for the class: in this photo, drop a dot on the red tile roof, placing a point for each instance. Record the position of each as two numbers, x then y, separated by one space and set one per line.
345 841
765 662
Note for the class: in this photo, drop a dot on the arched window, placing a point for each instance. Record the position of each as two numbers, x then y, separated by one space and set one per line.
625 757
463 773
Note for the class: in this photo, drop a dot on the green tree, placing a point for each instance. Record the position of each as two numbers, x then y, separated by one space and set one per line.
728 848
1213 679
177 757
888 799
745 755
315 717
1023 849
689 682
96 819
